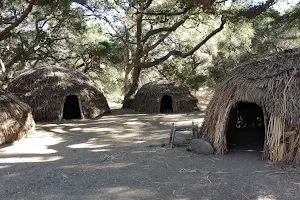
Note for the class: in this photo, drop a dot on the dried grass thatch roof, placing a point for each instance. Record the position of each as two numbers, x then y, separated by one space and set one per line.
273 83
15 119
148 98
45 90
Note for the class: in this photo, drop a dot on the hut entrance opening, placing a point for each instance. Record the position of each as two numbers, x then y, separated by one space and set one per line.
245 130
166 104
71 108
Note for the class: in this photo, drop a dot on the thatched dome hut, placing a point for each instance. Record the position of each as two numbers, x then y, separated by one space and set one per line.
259 100
15 119
164 97
56 93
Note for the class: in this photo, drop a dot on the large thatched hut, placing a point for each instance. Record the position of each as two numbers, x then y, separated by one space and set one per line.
164 97
56 93
259 103
15 119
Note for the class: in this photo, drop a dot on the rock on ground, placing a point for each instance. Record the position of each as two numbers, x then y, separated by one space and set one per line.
201 146
156 144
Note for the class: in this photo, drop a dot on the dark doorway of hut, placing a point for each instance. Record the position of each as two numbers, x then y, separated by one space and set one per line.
166 104
246 129
71 108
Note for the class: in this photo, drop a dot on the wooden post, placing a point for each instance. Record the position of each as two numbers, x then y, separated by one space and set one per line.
173 126
172 135
193 129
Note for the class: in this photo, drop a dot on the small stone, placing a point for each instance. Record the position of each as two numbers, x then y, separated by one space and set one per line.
156 144
201 146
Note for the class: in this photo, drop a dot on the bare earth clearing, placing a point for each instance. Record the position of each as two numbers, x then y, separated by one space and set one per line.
109 158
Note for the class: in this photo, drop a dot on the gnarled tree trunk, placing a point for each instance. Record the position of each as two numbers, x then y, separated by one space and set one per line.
133 87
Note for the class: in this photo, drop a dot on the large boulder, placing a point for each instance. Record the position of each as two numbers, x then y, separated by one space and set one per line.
201 146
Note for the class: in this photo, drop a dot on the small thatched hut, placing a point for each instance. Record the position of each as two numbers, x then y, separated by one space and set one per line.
164 97
259 102
56 93
15 119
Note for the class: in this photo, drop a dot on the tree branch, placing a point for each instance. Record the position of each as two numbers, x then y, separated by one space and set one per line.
6 32
3 69
150 48
81 2
255 10
181 54
148 3
139 21
164 29
167 13
161 73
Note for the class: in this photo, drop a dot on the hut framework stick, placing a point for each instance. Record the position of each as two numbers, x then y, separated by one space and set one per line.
193 128
172 135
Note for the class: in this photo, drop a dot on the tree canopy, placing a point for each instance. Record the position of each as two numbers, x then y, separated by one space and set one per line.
122 43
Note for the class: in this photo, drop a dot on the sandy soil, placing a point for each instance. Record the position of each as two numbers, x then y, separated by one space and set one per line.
109 158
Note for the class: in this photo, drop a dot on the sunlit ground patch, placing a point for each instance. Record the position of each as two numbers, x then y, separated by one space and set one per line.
126 192
35 144
30 159
129 135
58 130
97 166
87 145
268 197
133 123
101 150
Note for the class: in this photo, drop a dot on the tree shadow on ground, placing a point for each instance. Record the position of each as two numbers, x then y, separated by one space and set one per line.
109 158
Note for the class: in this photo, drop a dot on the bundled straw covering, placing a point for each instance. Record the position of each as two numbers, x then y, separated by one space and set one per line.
148 98
15 119
45 90
273 83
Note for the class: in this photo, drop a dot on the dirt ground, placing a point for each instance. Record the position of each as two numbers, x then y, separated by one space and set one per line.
110 158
